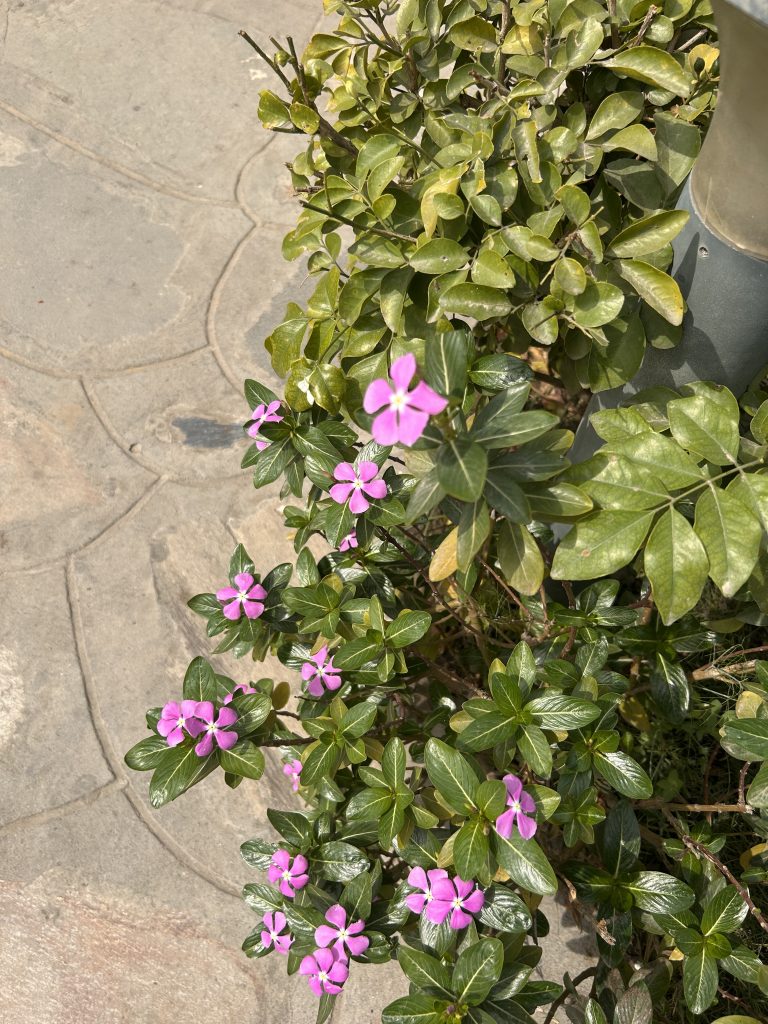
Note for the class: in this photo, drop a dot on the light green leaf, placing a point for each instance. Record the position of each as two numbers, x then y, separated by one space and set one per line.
635 139
339 862
623 773
414 1010
486 731
474 528
658 289
649 234
520 558
492 270
407 628
470 848
475 300
614 483
616 111
706 427
598 304
699 981
446 362
724 912
439 256
423 970
526 863
570 276
557 711
474 34
654 67
244 759
659 893
676 565
199 681
665 459
731 536
450 773
600 544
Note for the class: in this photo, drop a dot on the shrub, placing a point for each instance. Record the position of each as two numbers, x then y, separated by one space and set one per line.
486 717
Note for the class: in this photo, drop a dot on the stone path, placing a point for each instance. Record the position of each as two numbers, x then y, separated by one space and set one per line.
141 212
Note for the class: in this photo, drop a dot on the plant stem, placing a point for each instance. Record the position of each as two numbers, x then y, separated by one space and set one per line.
346 220
696 847
586 973
662 805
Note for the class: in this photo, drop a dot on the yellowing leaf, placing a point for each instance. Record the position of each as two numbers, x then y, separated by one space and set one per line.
444 561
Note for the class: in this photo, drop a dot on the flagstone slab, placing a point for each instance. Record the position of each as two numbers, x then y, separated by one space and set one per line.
100 273
44 718
182 419
62 478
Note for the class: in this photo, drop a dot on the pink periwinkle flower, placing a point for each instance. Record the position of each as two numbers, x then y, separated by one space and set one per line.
407 412
175 718
343 936
240 688
293 771
349 542
520 805
325 970
356 484
456 898
319 673
273 933
423 881
288 873
215 730
246 596
263 414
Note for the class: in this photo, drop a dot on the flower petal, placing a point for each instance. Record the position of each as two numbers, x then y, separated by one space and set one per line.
377 394
325 959
504 823
344 471
257 592
514 786
463 888
367 470
336 915
340 492
474 902
402 370
418 879
459 919
205 746
324 935
308 965
226 594
375 489
437 911
358 944
300 864
204 710
386 428
526 826
282 859
243 580
412 426
232 611
443 889
527 803
358 503
225 740
415 902
424 398
227 716
253 609
279 922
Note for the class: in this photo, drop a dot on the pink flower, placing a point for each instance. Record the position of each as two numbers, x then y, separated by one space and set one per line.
458 898
423 880
326 972
175 718
349 542
293 770
263 414
342 934
245 596
240 688
407 412
319 674
289 874
357 483
272 936
520 805
216 730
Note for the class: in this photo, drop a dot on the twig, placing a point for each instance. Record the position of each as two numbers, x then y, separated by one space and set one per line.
489 82
695 808
292 741
503 29
696 847
692 41
507 590
650 15
615 41
346 220
270 63
588 972
713 672
742 786
325 128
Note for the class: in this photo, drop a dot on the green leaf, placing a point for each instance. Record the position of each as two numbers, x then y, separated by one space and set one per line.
252 709
244 759
179 769
649 234
450 773
570 276
662 456
491 798
339 862
623 773
757 794
474 34
492 270
359 719
486 731
676 565
504 911
504 495
446 362
659 290
356 653
414 1010
620 839
556 711
699 981
393 762
670 689
199 681
526 863
520 558
477 970
598 304
654 67
635 139
731 536
706 427
470 848
292 826
657 893
600 544
369 804
724 912
407 628
533 747
613 482
461 469
475 300
424 971
616 111
749 735
147 753
499 371
322 762
439 256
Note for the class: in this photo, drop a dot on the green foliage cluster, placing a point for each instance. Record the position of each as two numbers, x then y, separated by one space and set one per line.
487 186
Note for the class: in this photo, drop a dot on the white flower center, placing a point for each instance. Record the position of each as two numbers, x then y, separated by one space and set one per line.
457 902
358 483
342 933
286 876
322 976
273 936
242 595
180 721
515 805
429 896
398 400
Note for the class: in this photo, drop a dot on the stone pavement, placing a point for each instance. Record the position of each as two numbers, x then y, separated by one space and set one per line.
141 214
